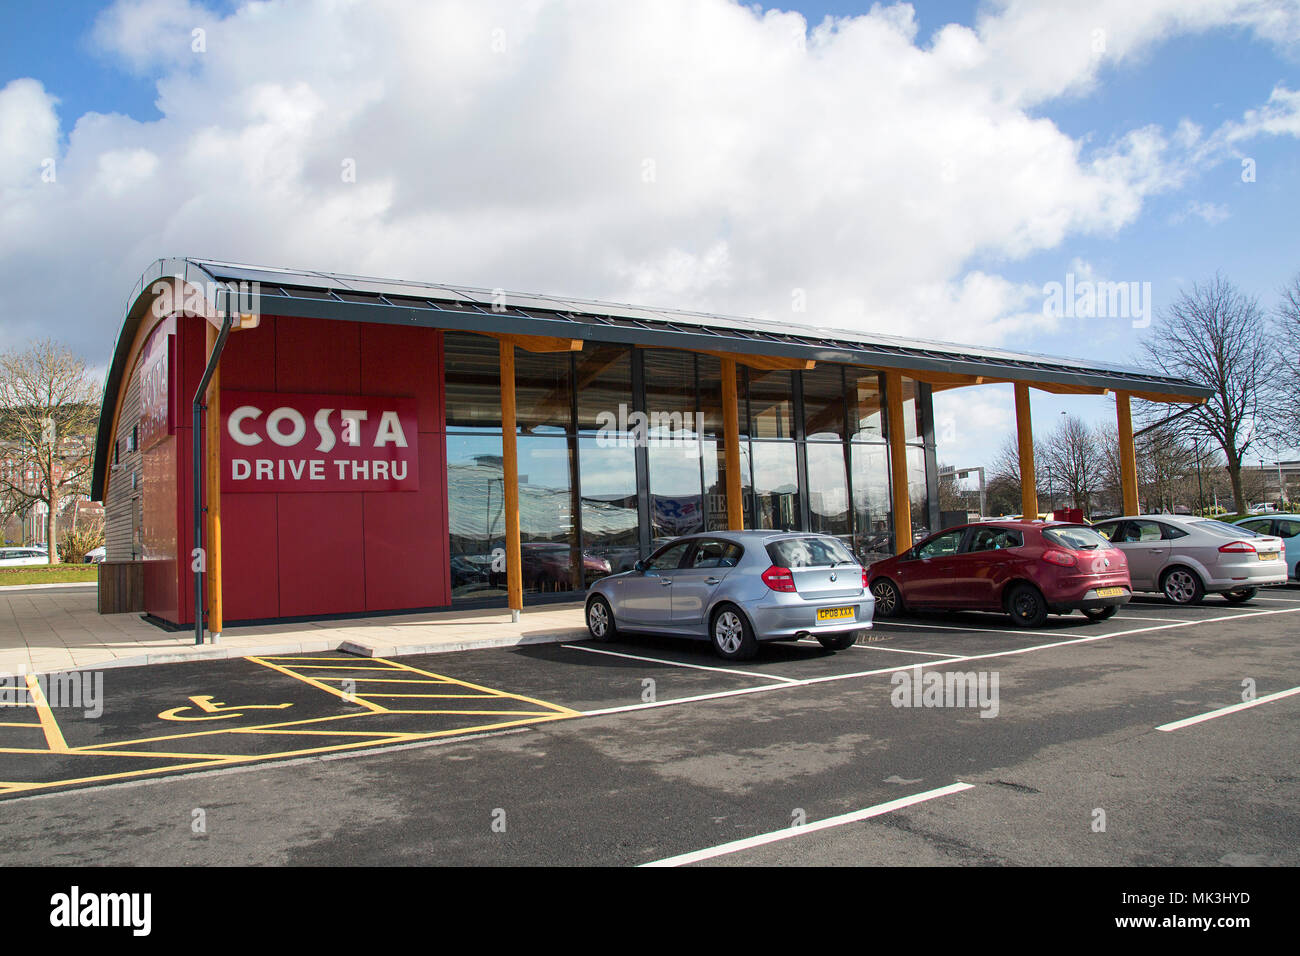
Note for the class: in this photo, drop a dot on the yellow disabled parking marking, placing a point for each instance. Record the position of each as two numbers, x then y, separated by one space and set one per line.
460 695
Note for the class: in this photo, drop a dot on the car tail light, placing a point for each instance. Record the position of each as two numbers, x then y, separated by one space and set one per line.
864 579
1063 558
778 579
1238 547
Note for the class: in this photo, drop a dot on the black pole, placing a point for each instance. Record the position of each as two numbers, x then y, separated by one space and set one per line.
196 443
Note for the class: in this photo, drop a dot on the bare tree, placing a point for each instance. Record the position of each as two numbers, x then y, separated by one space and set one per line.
49 406
1217 336
1073 454
1288 315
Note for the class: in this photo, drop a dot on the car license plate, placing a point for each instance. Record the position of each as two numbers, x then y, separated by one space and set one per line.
834 613
1109 592
1269 555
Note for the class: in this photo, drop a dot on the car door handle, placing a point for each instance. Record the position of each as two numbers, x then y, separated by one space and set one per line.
1157 551
665 581
713 580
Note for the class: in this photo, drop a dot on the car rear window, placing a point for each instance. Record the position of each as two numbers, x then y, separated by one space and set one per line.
1075 538
809 552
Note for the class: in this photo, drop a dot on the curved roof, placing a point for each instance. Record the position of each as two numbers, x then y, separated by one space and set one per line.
349 298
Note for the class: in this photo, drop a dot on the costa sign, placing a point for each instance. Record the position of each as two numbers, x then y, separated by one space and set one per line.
280 442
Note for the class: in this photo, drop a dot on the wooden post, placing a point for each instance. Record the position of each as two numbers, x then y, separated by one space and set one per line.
1025 443
1128 478
898 462
510 467
213 400
731 446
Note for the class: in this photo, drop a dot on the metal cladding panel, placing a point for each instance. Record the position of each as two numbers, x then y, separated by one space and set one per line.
317 356
321 554
406 543
250 572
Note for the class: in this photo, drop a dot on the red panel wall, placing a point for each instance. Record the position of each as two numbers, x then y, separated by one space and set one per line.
297 555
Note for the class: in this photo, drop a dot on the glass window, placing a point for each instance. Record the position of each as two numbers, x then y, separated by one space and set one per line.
546 510
670 557
823 404
918 492
1076 538
941 545
996 539
473 364
873 532
604 383
911 418
771 406
828 489
476 509
609 505
809 553
670 398
1107 530
776 485
676 499
1288 529
543 391
865 405
710 369
716 554
1259 527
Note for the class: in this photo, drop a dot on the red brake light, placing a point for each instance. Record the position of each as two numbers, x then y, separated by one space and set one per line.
864 579
778 579
1063 558
1238 547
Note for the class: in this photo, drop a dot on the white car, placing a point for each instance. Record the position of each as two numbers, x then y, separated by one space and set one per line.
19 557
96 555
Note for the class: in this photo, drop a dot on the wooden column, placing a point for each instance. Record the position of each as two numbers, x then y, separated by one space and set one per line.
213 477
510 469
898 462
731 446
1128 478
1025 443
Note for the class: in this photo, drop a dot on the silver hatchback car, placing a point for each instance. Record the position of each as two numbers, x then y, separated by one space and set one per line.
736 589
1185 557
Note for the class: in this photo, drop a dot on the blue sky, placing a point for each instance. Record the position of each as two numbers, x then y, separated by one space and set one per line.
1203 218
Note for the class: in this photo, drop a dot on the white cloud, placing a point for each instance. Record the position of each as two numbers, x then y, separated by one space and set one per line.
691 153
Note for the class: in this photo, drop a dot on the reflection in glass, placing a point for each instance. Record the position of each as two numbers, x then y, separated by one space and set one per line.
873 531
828 489
776 485
609 507
918 492
473 364
865 405
823 403
543 391
771 407
676 501
604 386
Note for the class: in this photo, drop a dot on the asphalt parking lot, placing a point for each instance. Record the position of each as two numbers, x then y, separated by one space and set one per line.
1099 743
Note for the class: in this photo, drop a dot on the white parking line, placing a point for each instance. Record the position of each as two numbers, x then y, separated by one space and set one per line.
957 627
1224 711
1134 617
660 660
788 833
877 647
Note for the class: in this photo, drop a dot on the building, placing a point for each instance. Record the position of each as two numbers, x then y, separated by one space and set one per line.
387 445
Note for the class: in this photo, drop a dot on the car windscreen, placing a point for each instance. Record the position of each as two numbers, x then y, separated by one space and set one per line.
809 552
1076 538
1224 530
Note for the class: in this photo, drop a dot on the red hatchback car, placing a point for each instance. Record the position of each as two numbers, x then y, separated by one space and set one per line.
1029 569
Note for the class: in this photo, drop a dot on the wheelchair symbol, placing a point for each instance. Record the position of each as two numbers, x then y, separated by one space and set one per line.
216 709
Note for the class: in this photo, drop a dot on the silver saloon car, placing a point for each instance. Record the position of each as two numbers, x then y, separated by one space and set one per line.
1185 557
736 589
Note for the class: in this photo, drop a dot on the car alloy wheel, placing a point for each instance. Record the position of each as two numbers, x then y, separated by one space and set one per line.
886 596
600 620
1027 607
732 637
1183 587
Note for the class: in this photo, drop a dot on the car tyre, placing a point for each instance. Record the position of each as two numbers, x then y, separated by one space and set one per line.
889 602
1100 613
600 620
838 642
1240 596
1182 586
1027 606
732 637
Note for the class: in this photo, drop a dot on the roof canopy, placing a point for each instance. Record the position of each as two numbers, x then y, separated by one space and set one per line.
349 298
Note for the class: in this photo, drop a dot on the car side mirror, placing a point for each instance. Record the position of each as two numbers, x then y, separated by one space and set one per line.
640 566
